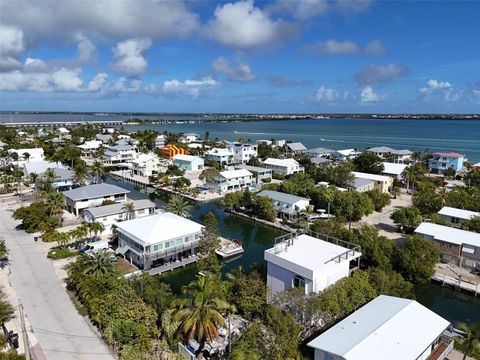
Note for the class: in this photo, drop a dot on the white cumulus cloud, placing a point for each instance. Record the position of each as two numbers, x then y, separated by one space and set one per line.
239 72
367 95
433 85
98 82
12 44
129 56
241 25
61 80
325 94
189 88
346 47
85 49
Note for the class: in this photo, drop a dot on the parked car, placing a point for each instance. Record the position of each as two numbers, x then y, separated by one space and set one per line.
95 246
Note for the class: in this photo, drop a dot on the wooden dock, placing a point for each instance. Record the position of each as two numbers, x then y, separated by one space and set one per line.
458 282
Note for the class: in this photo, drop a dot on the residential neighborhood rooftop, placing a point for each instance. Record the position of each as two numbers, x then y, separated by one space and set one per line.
117 208
449 234
94 191
296 146
232 174
448 154
184 157
402 328
39 167
281 162
374 177
386 149
252 168
306 254
393 168
359 182
280 196
458 213
159 227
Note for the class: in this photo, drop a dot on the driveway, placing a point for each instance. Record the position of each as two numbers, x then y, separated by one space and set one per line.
61 332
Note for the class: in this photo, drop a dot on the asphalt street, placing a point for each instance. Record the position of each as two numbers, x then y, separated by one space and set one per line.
62 333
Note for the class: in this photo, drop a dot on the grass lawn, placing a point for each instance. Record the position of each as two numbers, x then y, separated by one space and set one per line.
124 266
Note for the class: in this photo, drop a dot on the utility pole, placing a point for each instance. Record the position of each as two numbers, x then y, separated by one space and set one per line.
24 331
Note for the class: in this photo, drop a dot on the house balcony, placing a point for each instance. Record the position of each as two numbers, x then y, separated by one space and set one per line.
442 349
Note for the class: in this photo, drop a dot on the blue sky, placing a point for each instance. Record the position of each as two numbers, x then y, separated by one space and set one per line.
245 56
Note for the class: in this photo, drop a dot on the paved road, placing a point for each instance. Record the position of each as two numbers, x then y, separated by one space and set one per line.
62 333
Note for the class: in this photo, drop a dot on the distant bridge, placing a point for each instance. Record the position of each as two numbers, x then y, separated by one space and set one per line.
62 123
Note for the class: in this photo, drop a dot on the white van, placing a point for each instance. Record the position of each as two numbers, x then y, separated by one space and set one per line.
95 246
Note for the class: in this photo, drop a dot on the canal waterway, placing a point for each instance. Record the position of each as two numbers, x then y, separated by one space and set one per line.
453 305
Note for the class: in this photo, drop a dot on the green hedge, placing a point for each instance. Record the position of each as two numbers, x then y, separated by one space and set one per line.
61 253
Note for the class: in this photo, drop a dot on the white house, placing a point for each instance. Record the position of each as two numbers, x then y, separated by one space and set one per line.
120 154
88 148
188 138
104 138
109 215
454 216
319 152
386 328
38 167
188 162
242 153
145 165
295 148
381 182
307 262
232 180
63 178
346 154
160 140
394 170
220 155
283 166
260 174
92 195
362 185
457 246
152 240
35 154
286 203
399 156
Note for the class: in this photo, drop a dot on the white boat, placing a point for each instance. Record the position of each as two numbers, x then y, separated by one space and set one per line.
230 248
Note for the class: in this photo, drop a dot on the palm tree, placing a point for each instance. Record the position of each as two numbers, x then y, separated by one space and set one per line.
129 210
62 238
470 343
199 313
79 233
179 206
55 203
99 263
98 171
96 228
33 177
26 156
410 175
80 175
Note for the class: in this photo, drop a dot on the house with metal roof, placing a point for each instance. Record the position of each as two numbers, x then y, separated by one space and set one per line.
242 152
187 138
153 240
104 138
441 161
308 261
286 203
92 195
362 185
386 328
319 160
88 148
146 165
385 152
232 180
454 216
222 156
459 247
295 148
381 182
319 152
34 154
283 167
394 170
346 154
188 162
109 215
261 174
120 155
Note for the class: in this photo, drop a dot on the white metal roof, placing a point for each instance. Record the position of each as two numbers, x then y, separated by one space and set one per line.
183 157
41 166
232 174
118 208
373 177
219 152
281 162
393 168
157 228
282 197
386 328
458 213
296 146
449 234
307 255
94 191
142 158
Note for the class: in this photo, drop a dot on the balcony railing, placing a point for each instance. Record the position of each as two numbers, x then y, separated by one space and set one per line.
443 348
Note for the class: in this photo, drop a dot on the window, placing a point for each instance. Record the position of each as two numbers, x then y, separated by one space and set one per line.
167 244
197 236
187 239
178 242
298 281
